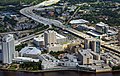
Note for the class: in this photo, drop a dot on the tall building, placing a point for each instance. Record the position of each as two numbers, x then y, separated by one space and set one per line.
92 44
8 48
95 46
50 37
50 41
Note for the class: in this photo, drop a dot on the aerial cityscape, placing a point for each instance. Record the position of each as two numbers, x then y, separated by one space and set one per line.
60 37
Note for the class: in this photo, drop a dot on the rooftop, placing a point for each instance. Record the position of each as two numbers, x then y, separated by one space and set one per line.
101 24
30 50
79 21
85 52
8 37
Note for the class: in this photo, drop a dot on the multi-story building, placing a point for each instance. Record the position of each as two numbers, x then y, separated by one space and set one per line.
102 28
8 48
92 44
50 40
39 41
85 57
50 37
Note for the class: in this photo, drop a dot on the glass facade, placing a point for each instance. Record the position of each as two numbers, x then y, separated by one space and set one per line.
97 47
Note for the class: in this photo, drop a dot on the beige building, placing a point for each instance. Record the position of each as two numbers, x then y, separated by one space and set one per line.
85 57
55 47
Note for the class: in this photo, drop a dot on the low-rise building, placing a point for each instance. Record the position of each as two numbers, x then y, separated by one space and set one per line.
24 59
102 28
54 48
31 52
48 65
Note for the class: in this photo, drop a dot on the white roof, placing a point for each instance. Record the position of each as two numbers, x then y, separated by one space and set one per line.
48 2
58 36
39 38
79 21
30 50
92 33
25 59
8 37
101 24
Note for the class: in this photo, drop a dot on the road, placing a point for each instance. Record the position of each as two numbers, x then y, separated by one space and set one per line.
29 13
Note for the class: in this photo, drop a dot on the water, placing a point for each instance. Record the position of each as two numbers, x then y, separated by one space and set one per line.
61 73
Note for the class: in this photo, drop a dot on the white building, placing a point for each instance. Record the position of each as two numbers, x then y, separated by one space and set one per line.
31 52
25 59
39 41
47 57
69 60
79 21
102 28
50 37
48 64
51 40
8 48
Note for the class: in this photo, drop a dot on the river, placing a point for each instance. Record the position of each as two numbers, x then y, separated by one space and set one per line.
61 73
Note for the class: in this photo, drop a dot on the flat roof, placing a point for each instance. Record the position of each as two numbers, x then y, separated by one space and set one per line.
40 38
59 36
93 33
85 52
79 21
30 50
101 24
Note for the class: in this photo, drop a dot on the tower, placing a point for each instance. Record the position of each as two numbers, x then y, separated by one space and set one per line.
92 44
50 37
8 48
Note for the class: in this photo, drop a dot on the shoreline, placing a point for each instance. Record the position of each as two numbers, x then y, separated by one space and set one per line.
43 71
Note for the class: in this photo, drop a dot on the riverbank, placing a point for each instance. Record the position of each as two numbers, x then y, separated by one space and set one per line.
43 71
57 70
